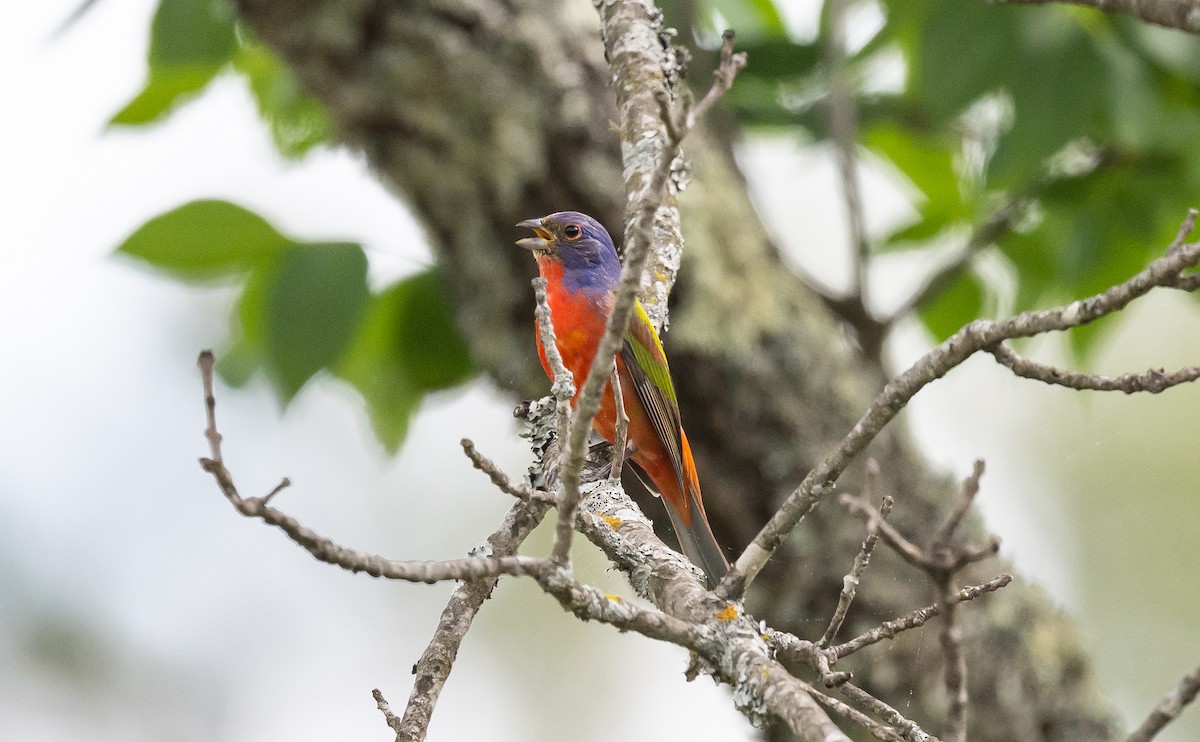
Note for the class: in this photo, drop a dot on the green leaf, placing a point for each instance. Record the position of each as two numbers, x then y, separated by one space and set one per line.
960 303
429 346
247 353
296 120
189 32
313 305
408 346
165 89
752 19
205 239
238 362
190 42
961 50
928 162
778 59
1050 110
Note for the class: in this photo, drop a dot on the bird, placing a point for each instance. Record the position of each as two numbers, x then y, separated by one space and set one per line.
577 258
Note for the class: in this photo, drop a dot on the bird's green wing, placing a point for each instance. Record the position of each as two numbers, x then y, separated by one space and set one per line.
647 365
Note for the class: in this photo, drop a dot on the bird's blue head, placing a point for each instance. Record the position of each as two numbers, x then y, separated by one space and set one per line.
579 244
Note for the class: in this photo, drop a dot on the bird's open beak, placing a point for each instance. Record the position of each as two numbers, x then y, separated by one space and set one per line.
542 243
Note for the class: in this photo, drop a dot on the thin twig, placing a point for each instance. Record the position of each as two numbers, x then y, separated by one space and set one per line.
916 618
955 672
563 386
1154 380
622 425
207 362
1169 708
970 489
850 581
908 729
909 551
974 337
498 477
283 484
849 713
723 77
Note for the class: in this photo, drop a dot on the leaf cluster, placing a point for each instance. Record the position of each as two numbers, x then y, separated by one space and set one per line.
306 307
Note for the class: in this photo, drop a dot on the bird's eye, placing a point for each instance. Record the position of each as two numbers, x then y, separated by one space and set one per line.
572 231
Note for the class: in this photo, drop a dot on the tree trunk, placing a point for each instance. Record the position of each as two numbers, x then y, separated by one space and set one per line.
481 113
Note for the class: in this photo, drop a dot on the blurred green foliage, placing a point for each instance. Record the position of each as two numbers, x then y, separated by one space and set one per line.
306 307
1083 120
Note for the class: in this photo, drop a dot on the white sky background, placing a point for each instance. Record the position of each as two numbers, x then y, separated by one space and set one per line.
135 604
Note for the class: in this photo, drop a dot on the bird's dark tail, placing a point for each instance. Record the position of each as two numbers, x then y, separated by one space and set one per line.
697 540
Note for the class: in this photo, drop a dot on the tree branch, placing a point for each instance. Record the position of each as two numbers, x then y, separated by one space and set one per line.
1153 380
1169 708
1183 15
917 618
974 337
433 668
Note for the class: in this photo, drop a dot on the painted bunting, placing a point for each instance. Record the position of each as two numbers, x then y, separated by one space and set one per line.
576 256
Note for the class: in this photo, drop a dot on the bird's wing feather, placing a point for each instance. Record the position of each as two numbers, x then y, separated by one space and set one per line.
647 365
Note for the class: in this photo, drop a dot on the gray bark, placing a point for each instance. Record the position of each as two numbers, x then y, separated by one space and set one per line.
481 113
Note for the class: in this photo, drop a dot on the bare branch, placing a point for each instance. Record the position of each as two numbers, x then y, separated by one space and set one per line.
622 426
737 653
955 672
1169 708
382 704
1154 380
433 668
563 386
804 652
723 77
850 581
916 618
909 551
909 729
1183 15
874 728
970 489
207 361
499 478
976 336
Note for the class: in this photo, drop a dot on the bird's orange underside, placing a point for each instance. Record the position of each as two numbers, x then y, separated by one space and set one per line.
578 327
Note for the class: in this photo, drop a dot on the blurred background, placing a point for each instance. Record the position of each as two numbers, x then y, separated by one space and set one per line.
135 604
